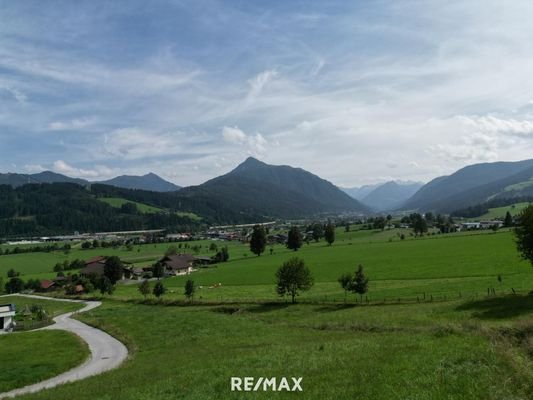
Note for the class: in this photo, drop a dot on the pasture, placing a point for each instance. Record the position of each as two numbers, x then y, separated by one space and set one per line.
30 357
429 330
450 350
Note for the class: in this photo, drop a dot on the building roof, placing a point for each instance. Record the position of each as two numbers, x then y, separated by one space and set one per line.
178 261
96 268
7 310
99 259
46 284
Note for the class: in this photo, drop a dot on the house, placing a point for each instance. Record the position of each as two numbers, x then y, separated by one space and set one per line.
179 264
471 225
47 285
95 267
7 314
490 224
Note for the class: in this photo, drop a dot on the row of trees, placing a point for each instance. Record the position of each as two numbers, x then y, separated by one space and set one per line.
295 238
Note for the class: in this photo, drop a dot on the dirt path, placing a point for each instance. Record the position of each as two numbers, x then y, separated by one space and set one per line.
106 352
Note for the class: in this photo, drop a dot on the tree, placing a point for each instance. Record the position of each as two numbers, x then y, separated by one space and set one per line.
329 233
113 269
14 285
419 224
159 289
360 282
524 234
318 232
294 239
86 245
293 276
12 273
171 251
258 240
158 270
222 255
508 221
345 280
105 285
144 288
189 289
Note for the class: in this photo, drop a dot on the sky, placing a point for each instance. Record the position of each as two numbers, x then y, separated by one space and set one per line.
356 92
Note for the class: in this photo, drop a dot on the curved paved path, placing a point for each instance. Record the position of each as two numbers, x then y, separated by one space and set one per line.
106 351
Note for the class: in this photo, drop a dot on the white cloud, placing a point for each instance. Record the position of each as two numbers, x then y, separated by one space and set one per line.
73 124
98 171
17 94
259 82
254 144
34 168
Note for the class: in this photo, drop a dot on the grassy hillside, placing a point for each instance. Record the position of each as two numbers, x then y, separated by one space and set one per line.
454 343
440 265
430 351
500 212
118 202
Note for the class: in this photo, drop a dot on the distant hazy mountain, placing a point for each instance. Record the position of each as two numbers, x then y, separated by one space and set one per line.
390 195
361 192
150 182
17 180
278 191
473 185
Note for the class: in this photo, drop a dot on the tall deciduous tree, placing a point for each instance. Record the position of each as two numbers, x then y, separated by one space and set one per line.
346 280
292 277
189 289
524 233
159 289
113 269
329 233
105 285
360 282
158 270
258 240
144 288
508 221
294 239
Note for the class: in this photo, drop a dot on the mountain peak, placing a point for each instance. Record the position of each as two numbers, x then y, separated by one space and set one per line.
249 164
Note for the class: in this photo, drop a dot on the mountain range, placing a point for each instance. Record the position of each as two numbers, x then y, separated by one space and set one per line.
473 185
150 181
385 196
49 203
276 191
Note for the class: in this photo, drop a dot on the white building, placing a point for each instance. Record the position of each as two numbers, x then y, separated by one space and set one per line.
7 314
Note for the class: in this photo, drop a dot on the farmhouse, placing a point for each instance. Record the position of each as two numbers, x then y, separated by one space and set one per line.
7 313
47 285
179 264
95 267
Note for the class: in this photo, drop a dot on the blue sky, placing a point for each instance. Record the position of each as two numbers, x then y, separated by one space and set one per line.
356 92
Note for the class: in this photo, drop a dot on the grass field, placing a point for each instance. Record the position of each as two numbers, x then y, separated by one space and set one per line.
117 202
453 266
455 343
451 350
500 212
29 357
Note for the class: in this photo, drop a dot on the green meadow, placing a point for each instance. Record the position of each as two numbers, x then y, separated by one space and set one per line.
428 331
500 212
32 356
118 202
449 350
